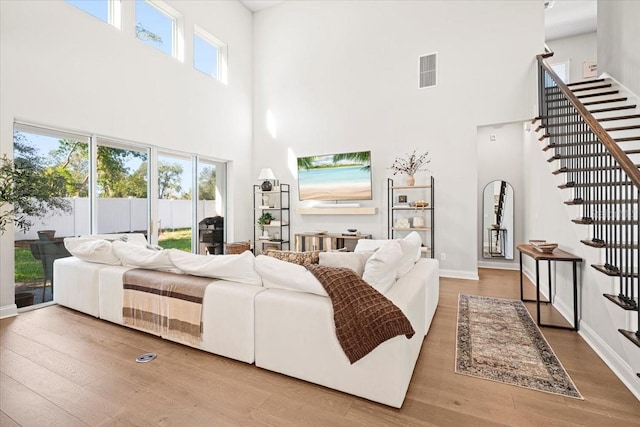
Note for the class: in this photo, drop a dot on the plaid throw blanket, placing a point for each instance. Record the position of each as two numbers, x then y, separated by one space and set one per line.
364 318
164 304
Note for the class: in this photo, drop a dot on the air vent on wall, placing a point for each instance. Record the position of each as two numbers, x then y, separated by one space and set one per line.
428 70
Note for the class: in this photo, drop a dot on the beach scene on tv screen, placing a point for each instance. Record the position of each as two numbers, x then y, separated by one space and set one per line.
344 176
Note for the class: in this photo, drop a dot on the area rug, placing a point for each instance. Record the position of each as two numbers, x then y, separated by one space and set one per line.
499 341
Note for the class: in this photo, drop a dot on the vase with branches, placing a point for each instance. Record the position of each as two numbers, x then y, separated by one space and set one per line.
410 165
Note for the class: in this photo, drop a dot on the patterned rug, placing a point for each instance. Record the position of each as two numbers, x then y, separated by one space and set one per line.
499 341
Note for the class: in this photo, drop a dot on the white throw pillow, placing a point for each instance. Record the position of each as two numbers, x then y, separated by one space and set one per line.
140 256
280 274
353 260
381 268
410 246
125 237
91 250
369 244
236 268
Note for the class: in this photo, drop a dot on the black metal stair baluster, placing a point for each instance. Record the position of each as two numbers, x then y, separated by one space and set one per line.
607 236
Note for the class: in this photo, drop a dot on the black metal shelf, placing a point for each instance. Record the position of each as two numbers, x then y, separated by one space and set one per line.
281 210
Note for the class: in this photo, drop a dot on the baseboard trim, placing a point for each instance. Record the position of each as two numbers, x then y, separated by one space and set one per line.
499 265
619 367
10 310
460 274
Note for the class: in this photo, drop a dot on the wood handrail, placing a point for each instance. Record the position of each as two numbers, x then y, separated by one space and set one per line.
610 145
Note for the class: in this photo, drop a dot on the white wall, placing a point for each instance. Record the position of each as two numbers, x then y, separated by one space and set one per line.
65 68
501 160
576 50
618 41
342 76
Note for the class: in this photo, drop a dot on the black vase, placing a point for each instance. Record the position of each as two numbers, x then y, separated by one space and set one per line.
266 186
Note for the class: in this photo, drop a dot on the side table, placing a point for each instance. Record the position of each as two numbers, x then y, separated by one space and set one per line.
556 255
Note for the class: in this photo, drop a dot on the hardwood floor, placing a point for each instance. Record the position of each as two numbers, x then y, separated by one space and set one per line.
60 367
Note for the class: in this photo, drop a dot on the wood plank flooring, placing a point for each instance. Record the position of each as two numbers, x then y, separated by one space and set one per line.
61 367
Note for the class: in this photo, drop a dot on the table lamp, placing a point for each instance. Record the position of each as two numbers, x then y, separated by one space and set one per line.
266 175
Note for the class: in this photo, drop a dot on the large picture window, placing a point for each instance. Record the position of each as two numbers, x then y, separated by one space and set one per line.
100 185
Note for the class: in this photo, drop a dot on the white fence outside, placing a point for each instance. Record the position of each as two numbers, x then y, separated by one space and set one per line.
117 215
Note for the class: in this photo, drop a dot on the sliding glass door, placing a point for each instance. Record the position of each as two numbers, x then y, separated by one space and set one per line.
122 186
175 195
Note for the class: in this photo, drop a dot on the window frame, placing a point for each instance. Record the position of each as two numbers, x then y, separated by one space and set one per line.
222 52
114 13
177 30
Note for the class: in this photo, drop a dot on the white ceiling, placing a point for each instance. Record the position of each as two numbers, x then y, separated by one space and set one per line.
256 5
565 18
570 18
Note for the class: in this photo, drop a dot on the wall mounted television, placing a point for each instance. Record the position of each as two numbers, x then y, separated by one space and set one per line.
342 176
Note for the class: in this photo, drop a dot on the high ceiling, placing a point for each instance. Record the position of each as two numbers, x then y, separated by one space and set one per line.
563 19
256 5
570 18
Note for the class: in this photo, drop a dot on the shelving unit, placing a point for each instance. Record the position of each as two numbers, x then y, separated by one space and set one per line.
401 214
278 205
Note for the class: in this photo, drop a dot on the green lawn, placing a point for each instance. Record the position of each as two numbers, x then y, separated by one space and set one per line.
178 239
27 267
30 269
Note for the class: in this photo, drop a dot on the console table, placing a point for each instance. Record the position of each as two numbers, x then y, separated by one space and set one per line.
556 255
327 241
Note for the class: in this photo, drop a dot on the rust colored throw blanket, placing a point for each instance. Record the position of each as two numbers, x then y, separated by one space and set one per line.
164 304
364 318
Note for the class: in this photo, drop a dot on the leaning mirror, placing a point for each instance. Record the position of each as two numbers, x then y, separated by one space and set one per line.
498 220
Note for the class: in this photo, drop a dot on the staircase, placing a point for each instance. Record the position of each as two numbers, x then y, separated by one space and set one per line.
592 131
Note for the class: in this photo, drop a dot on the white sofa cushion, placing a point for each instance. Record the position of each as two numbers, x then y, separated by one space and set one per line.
353 260
92 250
286 275
381 268
140 256
125 237
236 268
410 246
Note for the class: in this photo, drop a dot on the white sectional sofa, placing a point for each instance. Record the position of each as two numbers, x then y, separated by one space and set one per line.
280 329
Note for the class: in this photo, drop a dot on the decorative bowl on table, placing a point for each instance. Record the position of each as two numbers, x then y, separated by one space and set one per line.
543 246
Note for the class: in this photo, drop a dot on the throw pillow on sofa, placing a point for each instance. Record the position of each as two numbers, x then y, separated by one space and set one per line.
410 246
381 268
236 268
280 274
140 256
91 250
301 258
353 260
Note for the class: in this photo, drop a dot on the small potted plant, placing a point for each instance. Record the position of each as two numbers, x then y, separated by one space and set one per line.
410 165
265 219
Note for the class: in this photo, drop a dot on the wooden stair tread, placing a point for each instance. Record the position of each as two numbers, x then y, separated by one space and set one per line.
591 221
609 109
594 184
604 168
605 101
612 273
632 336
600 202
582 132
621 303
552 97
601 244
603 119
595 111
586 82
584 156
582 89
